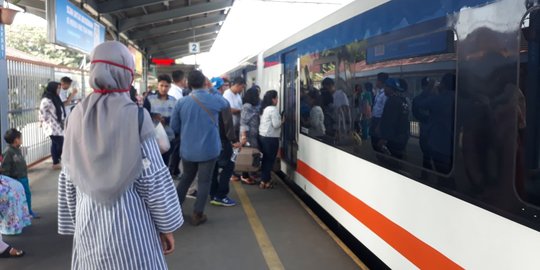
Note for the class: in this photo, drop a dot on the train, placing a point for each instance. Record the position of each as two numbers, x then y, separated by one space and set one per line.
481 210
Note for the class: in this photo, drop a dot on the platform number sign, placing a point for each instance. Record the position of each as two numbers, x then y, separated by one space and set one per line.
194 47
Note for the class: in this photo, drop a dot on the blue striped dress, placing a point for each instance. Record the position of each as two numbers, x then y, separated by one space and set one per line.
124 235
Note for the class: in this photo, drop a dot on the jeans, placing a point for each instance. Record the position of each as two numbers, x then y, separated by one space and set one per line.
205 171
269 147
25 183
56 148
397 149
174 162
165 156
220 181
374 133
426 151
442 162
365 128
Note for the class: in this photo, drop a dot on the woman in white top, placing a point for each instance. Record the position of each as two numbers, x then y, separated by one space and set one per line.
269 133
51 115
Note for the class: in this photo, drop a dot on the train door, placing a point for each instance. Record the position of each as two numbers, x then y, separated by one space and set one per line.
289 138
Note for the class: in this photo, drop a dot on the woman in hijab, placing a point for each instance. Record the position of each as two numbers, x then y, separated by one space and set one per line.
249 124
115 194
51 116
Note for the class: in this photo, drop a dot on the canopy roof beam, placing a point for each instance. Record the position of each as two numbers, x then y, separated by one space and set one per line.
120 5
163 41
181 53
177 13
109 20
177 27
182 44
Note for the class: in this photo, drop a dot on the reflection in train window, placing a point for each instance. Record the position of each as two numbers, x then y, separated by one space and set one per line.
390 101
527 178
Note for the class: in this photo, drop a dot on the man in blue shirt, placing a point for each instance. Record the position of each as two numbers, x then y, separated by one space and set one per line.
160 106
195 118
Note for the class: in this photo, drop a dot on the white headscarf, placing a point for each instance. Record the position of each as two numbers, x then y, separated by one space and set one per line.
102 151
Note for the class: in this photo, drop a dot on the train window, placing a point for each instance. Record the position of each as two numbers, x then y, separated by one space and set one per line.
527 177
405 122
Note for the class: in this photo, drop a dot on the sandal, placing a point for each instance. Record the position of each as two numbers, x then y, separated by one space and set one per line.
247 181
266 185
8 253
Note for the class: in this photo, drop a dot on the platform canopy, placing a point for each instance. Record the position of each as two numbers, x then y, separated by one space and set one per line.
159 28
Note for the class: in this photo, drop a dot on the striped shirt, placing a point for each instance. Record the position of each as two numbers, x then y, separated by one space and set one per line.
124 235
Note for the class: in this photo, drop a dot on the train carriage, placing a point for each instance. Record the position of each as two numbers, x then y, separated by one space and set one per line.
475 206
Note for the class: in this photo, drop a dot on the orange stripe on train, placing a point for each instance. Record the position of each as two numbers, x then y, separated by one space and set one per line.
415 250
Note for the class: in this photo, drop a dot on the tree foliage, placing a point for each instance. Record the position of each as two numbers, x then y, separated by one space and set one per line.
33 40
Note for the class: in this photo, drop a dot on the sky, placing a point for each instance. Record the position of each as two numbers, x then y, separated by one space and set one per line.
31 19
250 27
254 25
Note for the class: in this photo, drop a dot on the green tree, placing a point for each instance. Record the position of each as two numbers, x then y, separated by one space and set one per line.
33 40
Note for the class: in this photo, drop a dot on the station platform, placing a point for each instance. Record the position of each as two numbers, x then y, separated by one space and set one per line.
268 229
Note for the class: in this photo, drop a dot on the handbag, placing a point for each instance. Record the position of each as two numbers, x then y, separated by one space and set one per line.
248 160
162 138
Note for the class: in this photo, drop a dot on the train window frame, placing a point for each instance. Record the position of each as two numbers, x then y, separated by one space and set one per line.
397 71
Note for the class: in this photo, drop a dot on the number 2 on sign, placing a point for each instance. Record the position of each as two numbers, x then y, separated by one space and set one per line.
194 47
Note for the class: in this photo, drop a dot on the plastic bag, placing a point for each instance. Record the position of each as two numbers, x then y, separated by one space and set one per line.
162 138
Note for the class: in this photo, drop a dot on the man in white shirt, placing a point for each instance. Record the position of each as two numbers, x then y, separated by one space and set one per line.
65 84
343 111
65 96
178 85
234 98
226 84
378 108
232 95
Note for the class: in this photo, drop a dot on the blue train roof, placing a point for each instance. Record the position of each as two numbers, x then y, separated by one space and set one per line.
383 19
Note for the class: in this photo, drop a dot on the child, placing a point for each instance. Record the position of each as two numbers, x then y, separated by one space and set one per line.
14 164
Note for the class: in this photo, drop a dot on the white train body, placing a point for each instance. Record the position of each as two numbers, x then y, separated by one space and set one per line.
473 216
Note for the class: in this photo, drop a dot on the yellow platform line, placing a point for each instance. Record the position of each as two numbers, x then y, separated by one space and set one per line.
325 228
270 255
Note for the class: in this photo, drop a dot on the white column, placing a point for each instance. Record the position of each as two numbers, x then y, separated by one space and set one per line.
260 68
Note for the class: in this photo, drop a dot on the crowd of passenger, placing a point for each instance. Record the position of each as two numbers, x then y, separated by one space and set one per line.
382 114
119 152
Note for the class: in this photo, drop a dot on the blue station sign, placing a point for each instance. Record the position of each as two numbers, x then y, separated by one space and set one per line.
75 29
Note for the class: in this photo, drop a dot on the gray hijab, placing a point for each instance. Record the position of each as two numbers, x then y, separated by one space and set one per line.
102 152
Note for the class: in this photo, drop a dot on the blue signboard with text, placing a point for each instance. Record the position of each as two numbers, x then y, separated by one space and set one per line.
435 43
75 29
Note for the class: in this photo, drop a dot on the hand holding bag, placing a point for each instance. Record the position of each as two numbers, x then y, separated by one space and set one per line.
162 138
